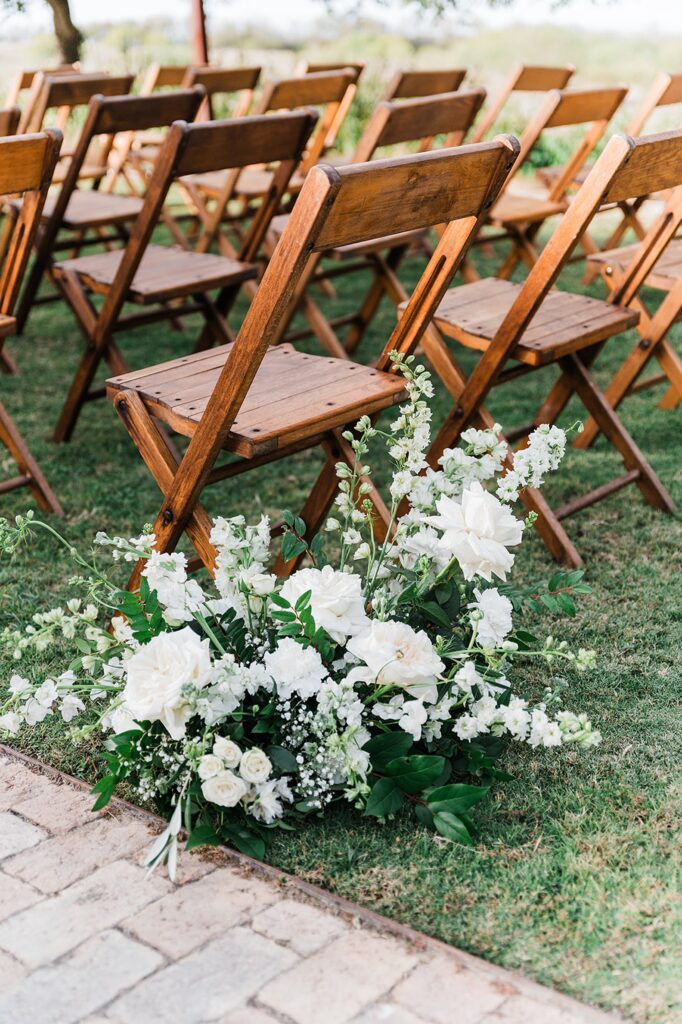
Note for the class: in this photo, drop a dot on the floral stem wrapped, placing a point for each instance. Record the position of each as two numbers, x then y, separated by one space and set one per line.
385 680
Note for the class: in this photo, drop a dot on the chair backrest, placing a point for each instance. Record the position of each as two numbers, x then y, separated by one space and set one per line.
410 85
202 147
419 120
352 204
325 90
163 76
626 170
26 167
665 91
24 80
308 68
237 83
66 93
9 120
591 108
524 78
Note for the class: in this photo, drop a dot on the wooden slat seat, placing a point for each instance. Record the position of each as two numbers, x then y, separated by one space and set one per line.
524 209
293 397
90 208
164 272
87 171
666 272
565 323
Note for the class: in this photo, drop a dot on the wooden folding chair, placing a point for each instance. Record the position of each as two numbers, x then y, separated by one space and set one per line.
400 123
94 215
307 68
535 325
263 403
518 215
657 266
666 91
159 276
20 90
412 85
61 98
26 167
163 76
526 78
9 120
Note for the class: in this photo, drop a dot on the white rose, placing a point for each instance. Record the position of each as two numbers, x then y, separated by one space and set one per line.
295 669
397 655
228 752
261 583
225 789
336 599
255 766
477 532
157 673
209 766
496 621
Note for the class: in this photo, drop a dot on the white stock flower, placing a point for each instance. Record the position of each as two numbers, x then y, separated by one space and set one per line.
496 617
266 804
467 727
209 766
71 706
18 685
395 654
295 669
336 599
224 789
120 720
158 672
477 532
255 766
413 717
228 751
166 573
467 677
10 723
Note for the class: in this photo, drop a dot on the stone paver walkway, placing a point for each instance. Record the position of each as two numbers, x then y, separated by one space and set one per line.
86 936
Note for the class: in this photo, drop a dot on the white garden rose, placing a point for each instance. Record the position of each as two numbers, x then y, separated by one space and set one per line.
209 766
255 766
477 532
228 752
295 669
336 600
225 789
496 617
158 672
397 655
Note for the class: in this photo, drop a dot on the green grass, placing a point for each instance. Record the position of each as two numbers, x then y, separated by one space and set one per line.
575 878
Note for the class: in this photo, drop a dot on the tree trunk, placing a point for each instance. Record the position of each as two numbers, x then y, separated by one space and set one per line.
68 36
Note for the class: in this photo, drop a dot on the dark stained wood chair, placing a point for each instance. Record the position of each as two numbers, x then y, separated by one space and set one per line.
89 215
230 89
521 328
262 403
168 281
9 120
412 85
525 78
519 214
27 164
398 124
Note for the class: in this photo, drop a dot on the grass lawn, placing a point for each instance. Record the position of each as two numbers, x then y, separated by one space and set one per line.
575 878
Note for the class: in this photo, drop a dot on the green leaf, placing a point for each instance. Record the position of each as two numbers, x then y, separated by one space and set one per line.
105 787
203 835
245 841
385 798
455 798
434 613
292 546
453 828
280 601
424 815
566 604
303 601
283 758
386 747
417 772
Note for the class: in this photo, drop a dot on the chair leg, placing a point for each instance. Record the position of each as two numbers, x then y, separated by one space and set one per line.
671 364
612 428
77 395
618 389
15 444
371 302
162 463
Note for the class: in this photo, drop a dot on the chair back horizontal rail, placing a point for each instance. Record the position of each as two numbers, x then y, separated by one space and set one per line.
76 90
222 80
164 76
411 193
579 106
260 139
9 120
316 88
22 161
311 69
114 114
409 120
673 92
538 78
654 164
414 84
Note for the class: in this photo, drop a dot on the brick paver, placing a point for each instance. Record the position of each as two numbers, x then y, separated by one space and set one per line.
87 937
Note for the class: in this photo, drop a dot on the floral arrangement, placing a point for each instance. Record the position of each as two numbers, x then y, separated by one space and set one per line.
384 680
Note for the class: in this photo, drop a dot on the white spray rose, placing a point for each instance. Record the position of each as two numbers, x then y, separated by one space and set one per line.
225 789
477 532
228 752
295 669
255 766
496 622
397 655
157 673
209 766
336 599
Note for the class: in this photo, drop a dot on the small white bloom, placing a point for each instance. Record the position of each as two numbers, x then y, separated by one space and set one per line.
395 654
224 789
255 766
295 669
71 706
467 727
10 723
209 766
496 617
413 717
228 752
336 599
